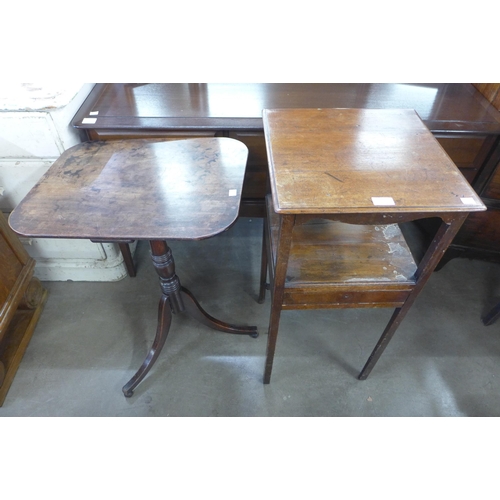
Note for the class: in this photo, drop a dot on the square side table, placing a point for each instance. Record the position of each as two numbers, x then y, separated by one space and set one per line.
343 181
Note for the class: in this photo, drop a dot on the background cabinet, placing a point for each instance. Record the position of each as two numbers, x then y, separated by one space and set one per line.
21 301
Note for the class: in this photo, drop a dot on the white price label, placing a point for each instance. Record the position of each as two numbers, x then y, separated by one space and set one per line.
382 201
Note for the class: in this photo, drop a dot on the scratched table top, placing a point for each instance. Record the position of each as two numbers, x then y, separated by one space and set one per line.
360 161
137 189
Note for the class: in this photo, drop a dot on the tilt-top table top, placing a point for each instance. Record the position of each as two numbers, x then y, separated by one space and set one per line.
137 190
143 190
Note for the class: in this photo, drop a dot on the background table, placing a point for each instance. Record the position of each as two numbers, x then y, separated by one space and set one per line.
142 190
343 183
462 120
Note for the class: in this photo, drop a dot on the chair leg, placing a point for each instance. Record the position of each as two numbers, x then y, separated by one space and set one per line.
263 267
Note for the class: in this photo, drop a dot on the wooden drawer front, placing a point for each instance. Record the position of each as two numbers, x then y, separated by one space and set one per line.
110 135
466 152
462 150
480 230
10 268
330 299
255 183
256 145
492 190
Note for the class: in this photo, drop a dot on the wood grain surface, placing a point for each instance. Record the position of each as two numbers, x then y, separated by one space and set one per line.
339 160
137 189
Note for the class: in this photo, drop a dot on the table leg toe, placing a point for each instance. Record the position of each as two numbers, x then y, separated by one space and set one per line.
193 308
164 321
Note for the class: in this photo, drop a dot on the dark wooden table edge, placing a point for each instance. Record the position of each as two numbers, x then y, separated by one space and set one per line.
243 123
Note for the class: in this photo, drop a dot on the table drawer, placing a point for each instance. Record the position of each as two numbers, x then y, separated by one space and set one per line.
256 145
467 152
492 190
480 230
343 298
255 182
118 134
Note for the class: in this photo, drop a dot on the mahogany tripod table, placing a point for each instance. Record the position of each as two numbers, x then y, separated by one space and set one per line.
344 185
122 191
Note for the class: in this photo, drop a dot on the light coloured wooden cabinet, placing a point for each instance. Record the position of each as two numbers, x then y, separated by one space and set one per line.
22 298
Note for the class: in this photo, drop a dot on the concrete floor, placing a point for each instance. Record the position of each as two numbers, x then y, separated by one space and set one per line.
92 337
